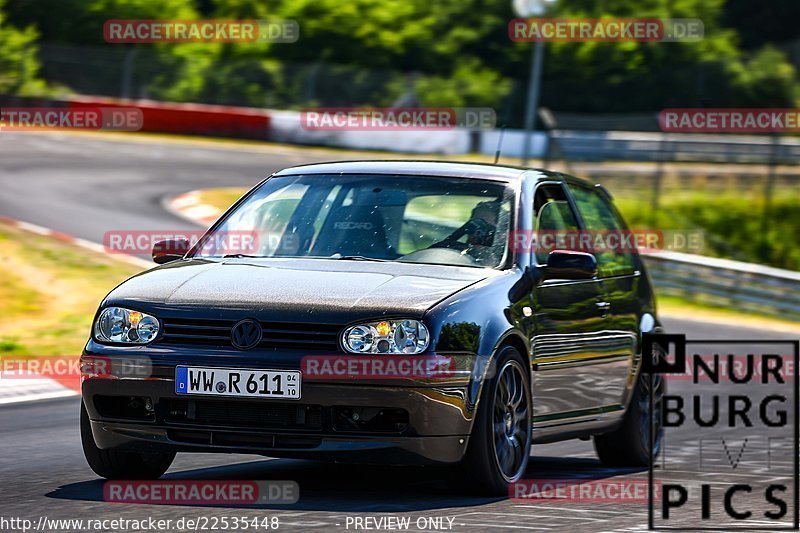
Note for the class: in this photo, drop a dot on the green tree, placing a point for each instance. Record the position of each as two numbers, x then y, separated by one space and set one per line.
18 64
452 52
456 44
647 76
81 21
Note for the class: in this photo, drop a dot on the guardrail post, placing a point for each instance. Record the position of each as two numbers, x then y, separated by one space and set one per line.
768 192
127 72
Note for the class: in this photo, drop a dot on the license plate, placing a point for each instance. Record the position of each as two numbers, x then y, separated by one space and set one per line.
267 384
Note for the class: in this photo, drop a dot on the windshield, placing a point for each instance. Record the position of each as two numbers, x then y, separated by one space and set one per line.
447 221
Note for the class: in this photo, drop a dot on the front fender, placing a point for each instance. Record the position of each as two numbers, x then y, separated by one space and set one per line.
478 320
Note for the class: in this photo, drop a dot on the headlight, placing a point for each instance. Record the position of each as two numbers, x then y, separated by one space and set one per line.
391 337
117 324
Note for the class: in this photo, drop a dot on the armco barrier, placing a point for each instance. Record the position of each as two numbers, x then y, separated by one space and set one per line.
192 119
740 286
678 147
286 126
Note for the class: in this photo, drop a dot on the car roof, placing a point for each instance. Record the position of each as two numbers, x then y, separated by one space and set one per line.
422 168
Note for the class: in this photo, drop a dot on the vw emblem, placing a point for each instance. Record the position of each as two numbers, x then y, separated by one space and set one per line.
246 334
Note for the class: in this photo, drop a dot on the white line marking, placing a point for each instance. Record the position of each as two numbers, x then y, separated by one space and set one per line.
33 228
41 396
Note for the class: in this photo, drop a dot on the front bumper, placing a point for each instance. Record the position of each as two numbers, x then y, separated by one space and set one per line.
435 425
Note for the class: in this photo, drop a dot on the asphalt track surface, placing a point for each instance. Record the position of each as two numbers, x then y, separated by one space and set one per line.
86 185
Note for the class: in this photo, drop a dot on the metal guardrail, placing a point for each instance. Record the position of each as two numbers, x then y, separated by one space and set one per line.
741 286
677 147
638 137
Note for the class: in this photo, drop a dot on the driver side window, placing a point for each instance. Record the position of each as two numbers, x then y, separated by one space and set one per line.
600 218
552 216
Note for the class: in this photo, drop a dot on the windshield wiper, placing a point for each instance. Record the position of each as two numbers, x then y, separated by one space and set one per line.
334 256
341 257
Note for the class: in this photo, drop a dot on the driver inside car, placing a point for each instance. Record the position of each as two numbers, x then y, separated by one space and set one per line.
479 231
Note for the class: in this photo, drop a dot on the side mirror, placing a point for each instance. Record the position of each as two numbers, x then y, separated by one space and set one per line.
170 250
563 264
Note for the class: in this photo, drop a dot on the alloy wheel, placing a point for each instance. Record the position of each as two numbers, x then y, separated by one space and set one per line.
510 421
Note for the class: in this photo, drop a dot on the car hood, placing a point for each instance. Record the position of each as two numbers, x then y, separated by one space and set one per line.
298 289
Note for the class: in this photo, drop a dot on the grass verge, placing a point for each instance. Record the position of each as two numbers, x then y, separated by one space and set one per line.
49 292
221 198
676 307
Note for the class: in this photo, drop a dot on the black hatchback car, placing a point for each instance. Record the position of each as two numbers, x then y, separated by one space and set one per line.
388 311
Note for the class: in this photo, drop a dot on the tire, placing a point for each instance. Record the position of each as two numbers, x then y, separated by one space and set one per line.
112 464
629 444
499 447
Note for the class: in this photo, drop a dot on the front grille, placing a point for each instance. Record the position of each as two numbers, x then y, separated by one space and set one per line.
256 415
210 332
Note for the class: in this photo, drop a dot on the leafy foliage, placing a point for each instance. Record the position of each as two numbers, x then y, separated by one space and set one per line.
447 52
18 63
735 226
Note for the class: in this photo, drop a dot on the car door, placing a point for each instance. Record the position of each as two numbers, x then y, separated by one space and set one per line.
568 346
618 279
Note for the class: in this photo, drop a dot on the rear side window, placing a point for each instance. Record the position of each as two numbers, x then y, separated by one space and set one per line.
600 217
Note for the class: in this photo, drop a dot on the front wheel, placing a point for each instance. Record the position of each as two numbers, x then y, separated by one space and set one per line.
629 445
112 464
499 447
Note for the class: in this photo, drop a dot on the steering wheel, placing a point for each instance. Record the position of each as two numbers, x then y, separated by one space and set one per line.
474 226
